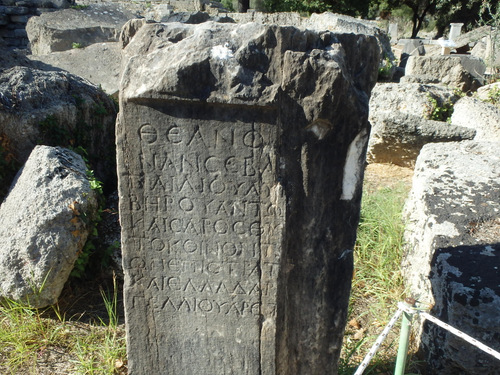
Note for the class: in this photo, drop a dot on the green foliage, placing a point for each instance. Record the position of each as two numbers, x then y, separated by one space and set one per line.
304 6
439 112
75 45
102 351
490 16
53 134
379 245
384 71
349 7
228 4
377 283
90 246
494 96
442 111
28 336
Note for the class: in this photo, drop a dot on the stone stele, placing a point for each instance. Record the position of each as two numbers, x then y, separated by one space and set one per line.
241 151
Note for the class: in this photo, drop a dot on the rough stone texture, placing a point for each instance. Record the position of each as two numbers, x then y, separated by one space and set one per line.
411 47
344 24
455 198
15 14
57 109
464 72
472 37
240 169
99 63
464 282
397 138
338 23
476 114
410 98
485 92
279 18
57 31
44 225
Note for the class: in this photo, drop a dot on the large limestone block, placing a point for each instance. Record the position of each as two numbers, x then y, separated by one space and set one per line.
398 137
58 31
463 72
411 98
455 198
464 282
337 23
44 223
99 63
476 114
57 108
240 155
341 23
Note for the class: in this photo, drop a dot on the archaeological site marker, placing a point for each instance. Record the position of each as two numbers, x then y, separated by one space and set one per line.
240 152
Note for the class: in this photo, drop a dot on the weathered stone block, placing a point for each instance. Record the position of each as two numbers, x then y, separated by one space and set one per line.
83 62
463 72
464 281
57 31
57 108
476 114
453 207
44 225
241 152
16 10
397 138
410 98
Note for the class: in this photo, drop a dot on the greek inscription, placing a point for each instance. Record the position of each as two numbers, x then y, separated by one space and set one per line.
195 226
233 269
148 133
206 305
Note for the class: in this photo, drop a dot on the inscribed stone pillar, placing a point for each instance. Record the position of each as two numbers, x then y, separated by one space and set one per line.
241 151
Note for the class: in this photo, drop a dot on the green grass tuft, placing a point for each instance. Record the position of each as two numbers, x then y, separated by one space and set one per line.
377 283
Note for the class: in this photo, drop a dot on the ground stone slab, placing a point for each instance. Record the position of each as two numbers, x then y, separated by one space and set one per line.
398 137
44 225
240 152
99 63
450 216
63 30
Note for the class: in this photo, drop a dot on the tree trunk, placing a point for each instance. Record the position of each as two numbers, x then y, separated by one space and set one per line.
243 5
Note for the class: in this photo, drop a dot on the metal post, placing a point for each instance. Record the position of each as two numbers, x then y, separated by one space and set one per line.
404 338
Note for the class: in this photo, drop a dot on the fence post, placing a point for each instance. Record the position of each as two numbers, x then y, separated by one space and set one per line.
404 338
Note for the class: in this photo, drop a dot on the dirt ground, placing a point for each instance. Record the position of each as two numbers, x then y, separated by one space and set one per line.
386 175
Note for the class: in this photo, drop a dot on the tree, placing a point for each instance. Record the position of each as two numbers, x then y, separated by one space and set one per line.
349 7
243 5
420 8
467 12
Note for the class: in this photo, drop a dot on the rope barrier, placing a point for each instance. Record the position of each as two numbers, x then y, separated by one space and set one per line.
378 342
460 334
408 308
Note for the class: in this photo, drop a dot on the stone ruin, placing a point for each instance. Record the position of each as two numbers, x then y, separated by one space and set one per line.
241 155
452 260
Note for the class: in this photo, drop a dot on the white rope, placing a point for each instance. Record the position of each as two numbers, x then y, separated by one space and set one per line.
462 335
378 342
